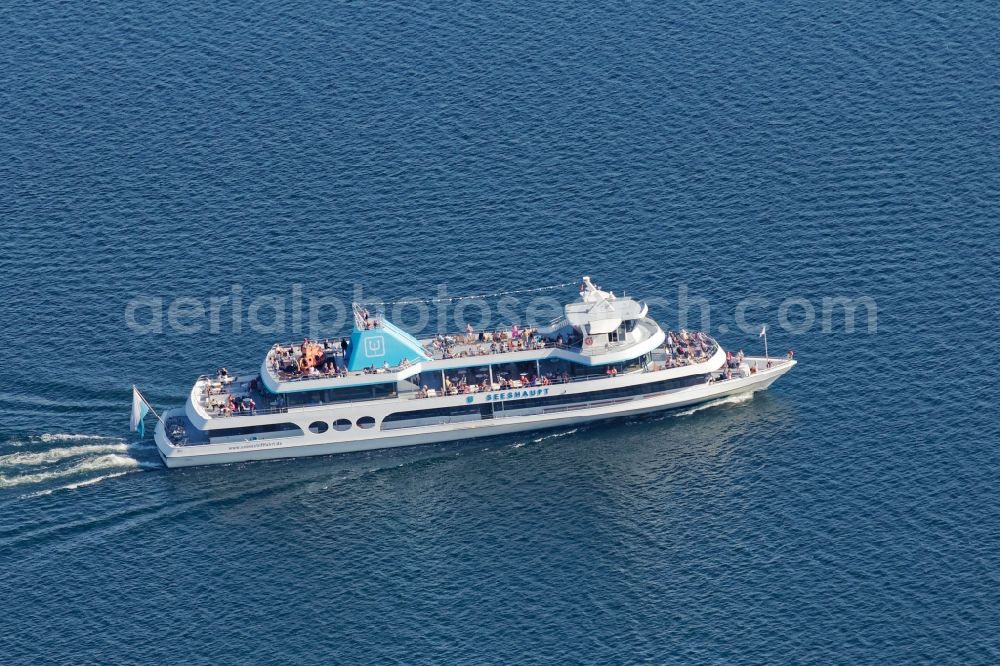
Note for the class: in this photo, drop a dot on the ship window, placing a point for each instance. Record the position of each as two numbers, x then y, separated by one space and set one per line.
345 394
469 375
318 427
342 424
425 417
366 422
253 432
514 370
606 394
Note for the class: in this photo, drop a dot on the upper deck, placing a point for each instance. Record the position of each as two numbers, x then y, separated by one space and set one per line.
508 362
283 368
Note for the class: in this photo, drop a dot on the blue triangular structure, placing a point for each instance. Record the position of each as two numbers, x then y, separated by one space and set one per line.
385 343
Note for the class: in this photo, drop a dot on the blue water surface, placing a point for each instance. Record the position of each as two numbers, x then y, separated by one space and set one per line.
773 150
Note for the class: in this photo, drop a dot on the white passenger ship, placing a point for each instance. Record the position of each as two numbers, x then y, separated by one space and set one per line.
604 358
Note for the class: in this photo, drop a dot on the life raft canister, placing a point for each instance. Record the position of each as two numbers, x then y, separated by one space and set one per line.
588 341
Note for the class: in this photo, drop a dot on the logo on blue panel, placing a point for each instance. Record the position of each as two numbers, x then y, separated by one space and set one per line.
375 346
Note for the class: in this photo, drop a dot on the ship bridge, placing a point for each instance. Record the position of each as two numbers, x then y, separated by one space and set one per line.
604 320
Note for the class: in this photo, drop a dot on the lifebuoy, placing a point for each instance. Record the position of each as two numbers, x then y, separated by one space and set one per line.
588 341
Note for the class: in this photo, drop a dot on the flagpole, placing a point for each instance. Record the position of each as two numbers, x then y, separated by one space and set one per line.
136 389
766 357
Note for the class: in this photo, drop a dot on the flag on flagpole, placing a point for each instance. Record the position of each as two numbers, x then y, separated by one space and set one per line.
139 410
763 329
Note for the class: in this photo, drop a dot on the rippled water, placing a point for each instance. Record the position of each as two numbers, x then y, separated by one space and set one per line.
810 150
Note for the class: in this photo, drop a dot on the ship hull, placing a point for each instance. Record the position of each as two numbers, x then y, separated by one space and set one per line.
331 443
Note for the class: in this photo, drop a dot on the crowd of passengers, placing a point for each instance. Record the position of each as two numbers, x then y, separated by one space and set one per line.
735 362
221 400
493 342
680 349
460 385
287 363
685 348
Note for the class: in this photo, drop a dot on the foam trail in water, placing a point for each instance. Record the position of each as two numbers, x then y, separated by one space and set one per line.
75 485
50 437
728 400
551 435
109 461
71 437
55 455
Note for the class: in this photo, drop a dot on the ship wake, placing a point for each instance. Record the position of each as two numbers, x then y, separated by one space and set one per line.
66 461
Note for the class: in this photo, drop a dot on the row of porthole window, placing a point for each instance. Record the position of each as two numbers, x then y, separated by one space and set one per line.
319 427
